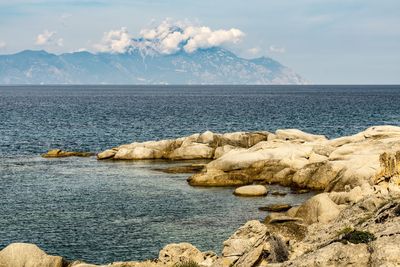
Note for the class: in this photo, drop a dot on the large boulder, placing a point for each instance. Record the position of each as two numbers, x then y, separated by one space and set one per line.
319 208
193 151
241 244
177 253
174 254
28 255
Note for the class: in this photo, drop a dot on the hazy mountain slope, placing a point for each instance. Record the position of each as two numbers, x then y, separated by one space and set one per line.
208 66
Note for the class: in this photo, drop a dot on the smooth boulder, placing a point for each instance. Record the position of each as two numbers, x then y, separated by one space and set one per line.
251 191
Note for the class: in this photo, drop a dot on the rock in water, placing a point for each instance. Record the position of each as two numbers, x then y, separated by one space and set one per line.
193 168
107 154
58 153
251 190
276 207
28 255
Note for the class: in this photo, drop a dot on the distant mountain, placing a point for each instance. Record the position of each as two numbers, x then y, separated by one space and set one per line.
207 66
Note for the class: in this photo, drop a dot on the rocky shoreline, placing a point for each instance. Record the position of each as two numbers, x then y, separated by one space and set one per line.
355 221
360 227
287 157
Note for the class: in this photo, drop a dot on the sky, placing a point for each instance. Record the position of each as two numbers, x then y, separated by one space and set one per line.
325 41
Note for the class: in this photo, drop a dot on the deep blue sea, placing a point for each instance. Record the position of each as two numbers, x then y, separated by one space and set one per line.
104 211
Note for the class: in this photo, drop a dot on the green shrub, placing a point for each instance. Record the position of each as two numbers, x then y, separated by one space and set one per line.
357 237
189 263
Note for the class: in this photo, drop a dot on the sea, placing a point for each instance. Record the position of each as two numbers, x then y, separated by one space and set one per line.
106 211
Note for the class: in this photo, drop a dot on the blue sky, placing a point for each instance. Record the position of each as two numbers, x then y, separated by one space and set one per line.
326 41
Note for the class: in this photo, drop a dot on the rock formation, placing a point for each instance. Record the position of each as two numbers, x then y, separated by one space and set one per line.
207 145
294 158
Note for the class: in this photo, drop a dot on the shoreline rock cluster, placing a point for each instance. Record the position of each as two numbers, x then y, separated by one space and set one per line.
355 221
359 227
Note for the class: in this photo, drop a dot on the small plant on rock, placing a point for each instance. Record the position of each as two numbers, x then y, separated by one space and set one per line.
189 263
357 237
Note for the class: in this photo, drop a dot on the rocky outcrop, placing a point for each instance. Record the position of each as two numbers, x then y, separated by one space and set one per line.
294 158
28 255
361 232
58 153
197 146
364 234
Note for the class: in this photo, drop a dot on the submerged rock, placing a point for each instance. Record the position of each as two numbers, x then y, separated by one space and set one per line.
278 193
276 207
251 191
193 168
58 153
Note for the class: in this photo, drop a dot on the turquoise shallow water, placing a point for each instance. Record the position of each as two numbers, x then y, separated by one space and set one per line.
106 211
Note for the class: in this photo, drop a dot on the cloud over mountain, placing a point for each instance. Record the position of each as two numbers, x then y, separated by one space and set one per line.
168 38
117 41
48 38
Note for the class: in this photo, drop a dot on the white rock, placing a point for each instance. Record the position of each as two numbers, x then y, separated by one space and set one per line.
27 255
251 190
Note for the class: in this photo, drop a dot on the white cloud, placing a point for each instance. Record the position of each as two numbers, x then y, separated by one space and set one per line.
204 37
3 45
277 49
254 51
117 41
49 38
168 38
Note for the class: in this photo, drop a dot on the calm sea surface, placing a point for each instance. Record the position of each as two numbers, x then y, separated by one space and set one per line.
107 211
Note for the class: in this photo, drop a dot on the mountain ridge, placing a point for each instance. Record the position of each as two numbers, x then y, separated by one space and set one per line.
138 66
